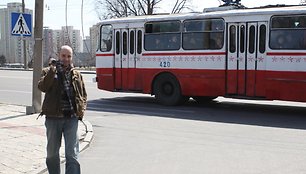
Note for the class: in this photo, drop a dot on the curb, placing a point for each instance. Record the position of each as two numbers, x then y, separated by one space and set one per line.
21 69
84 144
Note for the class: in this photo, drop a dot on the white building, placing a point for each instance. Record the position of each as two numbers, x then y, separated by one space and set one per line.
48 45
94 36
57 41
72 38
87 45
67 36
12 46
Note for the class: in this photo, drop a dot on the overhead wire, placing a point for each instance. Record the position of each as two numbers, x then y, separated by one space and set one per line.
82 23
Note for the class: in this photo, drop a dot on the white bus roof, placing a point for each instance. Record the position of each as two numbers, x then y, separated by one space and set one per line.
215 14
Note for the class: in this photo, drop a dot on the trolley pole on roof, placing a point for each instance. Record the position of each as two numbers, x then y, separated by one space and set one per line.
37 66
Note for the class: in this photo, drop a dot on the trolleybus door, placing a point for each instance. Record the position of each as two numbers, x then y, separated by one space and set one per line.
232 59
128 50
255 58
242 39
118 59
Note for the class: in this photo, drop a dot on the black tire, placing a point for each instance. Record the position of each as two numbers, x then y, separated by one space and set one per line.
203 99
167 90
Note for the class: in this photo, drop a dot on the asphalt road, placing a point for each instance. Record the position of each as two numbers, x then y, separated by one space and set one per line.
135 135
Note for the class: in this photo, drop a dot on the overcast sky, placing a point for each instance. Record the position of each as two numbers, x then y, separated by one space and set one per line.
54 11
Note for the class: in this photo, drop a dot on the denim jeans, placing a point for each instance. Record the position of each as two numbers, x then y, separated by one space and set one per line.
56 127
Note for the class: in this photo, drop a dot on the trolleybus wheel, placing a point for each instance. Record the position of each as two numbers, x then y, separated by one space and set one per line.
167 90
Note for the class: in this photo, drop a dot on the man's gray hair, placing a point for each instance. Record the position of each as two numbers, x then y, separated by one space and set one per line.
66 47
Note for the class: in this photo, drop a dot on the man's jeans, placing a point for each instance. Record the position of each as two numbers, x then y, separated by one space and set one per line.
55 128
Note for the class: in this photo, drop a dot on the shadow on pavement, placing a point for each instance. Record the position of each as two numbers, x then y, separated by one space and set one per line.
215 111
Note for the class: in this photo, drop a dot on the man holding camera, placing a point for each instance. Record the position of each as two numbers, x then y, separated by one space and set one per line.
64 104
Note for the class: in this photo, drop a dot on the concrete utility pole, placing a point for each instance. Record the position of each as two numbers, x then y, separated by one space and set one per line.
24 43
37 66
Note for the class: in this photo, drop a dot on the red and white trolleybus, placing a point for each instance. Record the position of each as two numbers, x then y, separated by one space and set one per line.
247 53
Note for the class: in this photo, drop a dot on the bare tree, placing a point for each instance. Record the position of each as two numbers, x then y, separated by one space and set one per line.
179 6
122 8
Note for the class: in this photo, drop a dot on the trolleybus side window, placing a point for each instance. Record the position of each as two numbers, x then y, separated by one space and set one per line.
203 34
242 38
252 39
106 38
125 43
262 38
288 32
139 42
232 39
132 42
117 42
162 36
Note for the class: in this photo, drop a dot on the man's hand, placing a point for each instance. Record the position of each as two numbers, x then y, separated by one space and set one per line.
52 64
52 67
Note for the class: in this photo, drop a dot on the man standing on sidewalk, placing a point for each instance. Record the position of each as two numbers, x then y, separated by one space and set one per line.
64 104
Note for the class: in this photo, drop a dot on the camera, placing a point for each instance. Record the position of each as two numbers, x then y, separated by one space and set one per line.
55 62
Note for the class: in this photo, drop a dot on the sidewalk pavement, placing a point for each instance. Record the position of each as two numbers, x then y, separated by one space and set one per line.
23 141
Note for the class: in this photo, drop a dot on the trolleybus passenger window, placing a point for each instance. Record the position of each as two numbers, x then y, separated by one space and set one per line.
163 27
124 43
288 32
132 42
232 39
162 36
139 41
106 38
117 42
242 38
252 39
262 38
203 34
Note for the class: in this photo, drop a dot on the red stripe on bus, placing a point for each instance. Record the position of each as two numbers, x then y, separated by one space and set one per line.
285 54
183 54
273 85
104 55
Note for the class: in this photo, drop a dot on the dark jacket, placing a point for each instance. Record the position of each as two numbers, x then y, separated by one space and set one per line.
52 87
